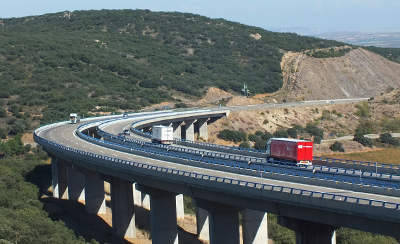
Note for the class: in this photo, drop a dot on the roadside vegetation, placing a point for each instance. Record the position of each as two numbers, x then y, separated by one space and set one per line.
328 53
259 139
23 219
392 54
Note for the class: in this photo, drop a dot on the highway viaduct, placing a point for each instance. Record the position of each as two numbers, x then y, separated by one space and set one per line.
81 162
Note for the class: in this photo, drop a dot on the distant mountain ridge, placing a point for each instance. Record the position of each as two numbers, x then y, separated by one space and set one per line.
383 39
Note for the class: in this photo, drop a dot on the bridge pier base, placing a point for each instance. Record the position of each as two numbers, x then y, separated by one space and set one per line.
310 232
255 227
122 207
224 222
95 202
202 222
59 178
76 184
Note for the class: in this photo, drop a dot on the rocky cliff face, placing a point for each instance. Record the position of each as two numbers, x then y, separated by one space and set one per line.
359 73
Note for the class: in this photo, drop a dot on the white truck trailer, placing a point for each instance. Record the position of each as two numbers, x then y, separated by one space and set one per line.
162 134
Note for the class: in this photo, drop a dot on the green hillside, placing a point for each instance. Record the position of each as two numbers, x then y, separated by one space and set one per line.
75 61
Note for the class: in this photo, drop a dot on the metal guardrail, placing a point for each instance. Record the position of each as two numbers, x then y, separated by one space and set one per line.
239 149
222 180
128 141
357 162
285 168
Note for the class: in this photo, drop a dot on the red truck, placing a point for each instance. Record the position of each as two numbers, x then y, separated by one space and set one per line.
294 150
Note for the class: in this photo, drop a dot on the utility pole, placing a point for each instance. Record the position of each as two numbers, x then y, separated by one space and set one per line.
245 90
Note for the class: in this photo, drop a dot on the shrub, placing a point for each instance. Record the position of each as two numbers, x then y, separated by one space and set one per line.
314 130
260 144
253 137
3 133
3 113
365 127
326 115
317 139
281 134
388 139
292 132
245 144
232 135
363 140
266 136
337 147
363 110
17 128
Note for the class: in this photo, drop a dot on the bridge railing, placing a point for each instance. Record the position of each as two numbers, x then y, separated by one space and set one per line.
285 168
356 163
362 163
221 180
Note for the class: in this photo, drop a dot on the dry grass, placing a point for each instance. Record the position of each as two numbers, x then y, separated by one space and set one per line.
387 155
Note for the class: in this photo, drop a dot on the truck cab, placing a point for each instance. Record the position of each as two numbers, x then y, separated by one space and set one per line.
74 118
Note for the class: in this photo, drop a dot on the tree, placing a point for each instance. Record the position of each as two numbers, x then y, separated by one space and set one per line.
317 139
3 113
337 147
388 139
281 134
365 127
363 140
260 144
244 144
232 135
253 137
292 132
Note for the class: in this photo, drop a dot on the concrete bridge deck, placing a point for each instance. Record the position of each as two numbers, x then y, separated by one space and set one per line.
215 188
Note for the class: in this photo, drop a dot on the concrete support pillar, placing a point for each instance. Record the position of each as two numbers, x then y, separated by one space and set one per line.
189 130
162 215
163 218
95 201
76 184
224 222
137 196
310 232
203 130
177 129
122 207
202 222
180 208
255 227
59 178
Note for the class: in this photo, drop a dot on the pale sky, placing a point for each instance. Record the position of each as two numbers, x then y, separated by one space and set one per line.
312 16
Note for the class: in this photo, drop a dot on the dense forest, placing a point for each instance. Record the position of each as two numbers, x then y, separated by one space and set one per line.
125 59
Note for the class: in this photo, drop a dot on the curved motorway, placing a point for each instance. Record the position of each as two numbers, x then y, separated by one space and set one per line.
237 188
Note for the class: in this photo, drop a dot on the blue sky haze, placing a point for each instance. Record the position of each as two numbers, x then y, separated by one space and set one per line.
304 16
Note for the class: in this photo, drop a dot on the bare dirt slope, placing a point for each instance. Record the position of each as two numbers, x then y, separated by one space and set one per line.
359 73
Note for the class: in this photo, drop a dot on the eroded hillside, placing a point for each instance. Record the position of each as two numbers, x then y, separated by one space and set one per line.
360 73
